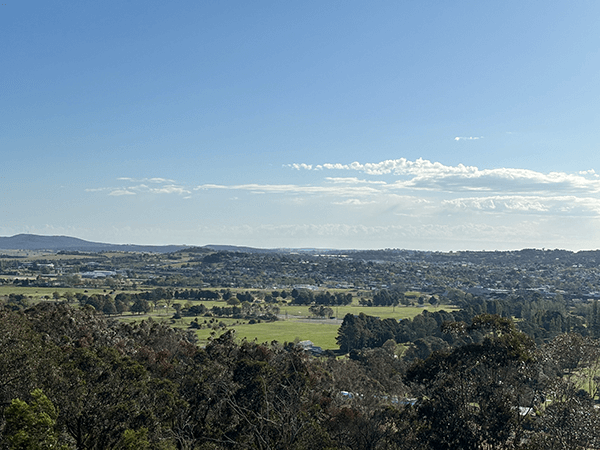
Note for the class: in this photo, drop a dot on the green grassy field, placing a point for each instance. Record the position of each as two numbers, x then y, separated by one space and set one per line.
282 331
296 323
320 334
383 312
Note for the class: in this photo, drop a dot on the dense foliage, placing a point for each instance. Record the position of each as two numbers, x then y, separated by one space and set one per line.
75 379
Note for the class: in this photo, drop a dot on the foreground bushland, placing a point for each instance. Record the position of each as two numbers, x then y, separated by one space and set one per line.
73 379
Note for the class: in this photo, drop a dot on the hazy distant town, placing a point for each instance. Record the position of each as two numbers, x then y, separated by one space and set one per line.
575 276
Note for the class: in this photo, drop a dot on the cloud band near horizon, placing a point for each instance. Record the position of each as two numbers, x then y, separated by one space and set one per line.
419 185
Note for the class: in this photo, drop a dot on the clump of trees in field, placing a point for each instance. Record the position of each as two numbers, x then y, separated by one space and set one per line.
325 298
76 379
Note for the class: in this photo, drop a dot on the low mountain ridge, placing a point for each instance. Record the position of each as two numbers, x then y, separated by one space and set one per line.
67 243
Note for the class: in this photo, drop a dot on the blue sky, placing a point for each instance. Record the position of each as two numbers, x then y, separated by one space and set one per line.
385 124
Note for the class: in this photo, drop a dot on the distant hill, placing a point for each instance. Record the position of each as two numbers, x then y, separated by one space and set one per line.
71 244
66 243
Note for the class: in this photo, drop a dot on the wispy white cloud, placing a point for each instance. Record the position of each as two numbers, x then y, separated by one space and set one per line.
303 166
144 180
469 138
442 188
119 192
343 189
355 202
352 180
421 186
537 204
133 186
400 166
170 189
427 175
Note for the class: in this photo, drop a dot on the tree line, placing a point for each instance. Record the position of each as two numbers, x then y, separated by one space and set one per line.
425 332
325 298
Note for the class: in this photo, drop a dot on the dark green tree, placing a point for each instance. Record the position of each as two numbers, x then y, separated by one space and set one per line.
140 306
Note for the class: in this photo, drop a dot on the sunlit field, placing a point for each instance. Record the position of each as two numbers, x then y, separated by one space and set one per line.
296 322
